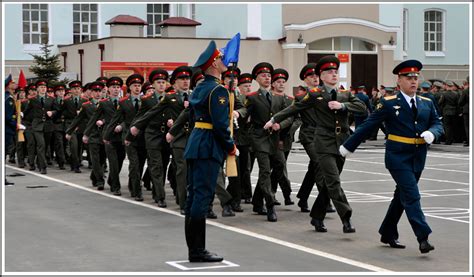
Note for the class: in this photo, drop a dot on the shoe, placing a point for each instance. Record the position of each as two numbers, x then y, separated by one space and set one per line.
393 243
77 170
276 202
319 225
182 212
227 211
161 203
425 246
32 168
43 171
288 201
205 256
303 204
117 193
248 201
271 214
139 198
260 211
61 166
211 214
8 183
347 226
100 187
330 208
237 208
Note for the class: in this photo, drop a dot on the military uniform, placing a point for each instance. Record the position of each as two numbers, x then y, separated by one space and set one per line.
59 128
409 123
331 130
360 117
464 107
448 102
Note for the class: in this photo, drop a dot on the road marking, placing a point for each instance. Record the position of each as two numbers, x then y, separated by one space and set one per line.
222 264
426 167
220 225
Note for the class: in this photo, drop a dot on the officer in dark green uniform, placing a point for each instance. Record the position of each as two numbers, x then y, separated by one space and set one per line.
449 105
332 128
59 126
41 111
26 121
120 123
261 106
464 107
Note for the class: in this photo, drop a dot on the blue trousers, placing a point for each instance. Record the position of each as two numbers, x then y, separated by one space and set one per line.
202 181
405 198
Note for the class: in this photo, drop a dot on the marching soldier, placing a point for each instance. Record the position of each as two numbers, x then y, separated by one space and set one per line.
114 147
332 128
464 107
449 104
26 121
208 146
260 106
360 117
21 145
9 116
412 123
41 111
120 123
59 126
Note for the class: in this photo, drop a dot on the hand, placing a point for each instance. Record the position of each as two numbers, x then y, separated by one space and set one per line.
118 129
186 104
276 126
78 112
21 114
169 123
344 152
127 142
169 137
237 152
334 105
236 114
68 136
99 123
21 127
280 144
428 136
85 139
106 141
268 125
49 113
134 131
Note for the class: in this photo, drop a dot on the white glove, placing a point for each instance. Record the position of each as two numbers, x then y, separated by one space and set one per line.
237 152
344 152
22 127
21 114
428 136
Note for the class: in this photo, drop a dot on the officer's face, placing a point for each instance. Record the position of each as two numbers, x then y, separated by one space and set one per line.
135 89
245 88
312 80
408 84
114 91
279 85
12 86
182 83
96 94
32 93
60 93
42 90
149 91
264 79
330 77
159 85
76 91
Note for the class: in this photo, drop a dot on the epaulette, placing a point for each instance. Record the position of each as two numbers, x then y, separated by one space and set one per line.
147 96
252 93
86 103
104 100
290 97
424 98
50 97
391 97
31 97
171 92
123 98
84 98
67 97
300 93
24 100
316 89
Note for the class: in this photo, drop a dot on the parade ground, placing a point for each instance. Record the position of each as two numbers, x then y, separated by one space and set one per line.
59 223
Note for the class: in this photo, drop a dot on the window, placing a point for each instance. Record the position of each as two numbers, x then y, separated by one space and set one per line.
193 11
338 44
35 23
156 13
434 21
405 29
84 22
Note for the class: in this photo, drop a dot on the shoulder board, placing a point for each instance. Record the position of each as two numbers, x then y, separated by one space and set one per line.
391 97
171 92
313 90
123 99
147 97
31 97
84 98
290 97
86 103
67 97
104 100
50 97
424 98
24 100
252 93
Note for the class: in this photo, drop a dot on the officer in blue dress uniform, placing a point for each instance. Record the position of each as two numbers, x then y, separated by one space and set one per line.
411 122
208 145
10 118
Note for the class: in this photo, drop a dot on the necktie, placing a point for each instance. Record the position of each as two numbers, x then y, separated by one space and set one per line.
333 95
185 96
76 103
413 107
60 102
269 98
136 105
115 103
42 102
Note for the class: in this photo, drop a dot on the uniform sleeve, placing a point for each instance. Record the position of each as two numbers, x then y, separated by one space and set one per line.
355 105
117 118
141 121
307 102
289 120
91 124
219 110
366 128
436 127
76 121
179 123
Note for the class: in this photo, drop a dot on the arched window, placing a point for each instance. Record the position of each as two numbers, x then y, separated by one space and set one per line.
434 30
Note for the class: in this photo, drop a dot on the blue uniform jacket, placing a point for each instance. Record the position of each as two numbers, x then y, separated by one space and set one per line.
399 120
10 118
364 98
209 103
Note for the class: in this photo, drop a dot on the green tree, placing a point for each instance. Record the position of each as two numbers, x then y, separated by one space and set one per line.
47 66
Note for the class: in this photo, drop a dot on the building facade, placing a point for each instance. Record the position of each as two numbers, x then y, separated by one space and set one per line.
368 38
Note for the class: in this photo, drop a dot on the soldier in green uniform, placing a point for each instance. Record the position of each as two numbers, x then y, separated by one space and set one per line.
464 107
26 121
261 106
114 147
332 129
20 147
59 126
41 111
120 123
448 103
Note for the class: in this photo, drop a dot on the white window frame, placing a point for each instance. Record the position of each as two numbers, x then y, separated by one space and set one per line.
405 31
332 50
171 12
35 46
88 23
438 52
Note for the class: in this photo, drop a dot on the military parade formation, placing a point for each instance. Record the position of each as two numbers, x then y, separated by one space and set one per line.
182 127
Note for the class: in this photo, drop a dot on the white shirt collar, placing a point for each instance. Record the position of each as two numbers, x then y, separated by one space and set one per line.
408 98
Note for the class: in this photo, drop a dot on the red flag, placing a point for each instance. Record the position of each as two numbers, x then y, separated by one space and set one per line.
21 80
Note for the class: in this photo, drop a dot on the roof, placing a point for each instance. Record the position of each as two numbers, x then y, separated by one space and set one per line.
126 20
179 21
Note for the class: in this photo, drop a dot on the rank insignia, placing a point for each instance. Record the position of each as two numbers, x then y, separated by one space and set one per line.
379 106
306 97
222 100
396 107
173 100
397 113
320 98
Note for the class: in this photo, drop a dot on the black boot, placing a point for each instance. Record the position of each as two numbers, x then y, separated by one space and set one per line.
271 214
198 252
187 233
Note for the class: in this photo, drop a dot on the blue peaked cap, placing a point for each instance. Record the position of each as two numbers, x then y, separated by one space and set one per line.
206 55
